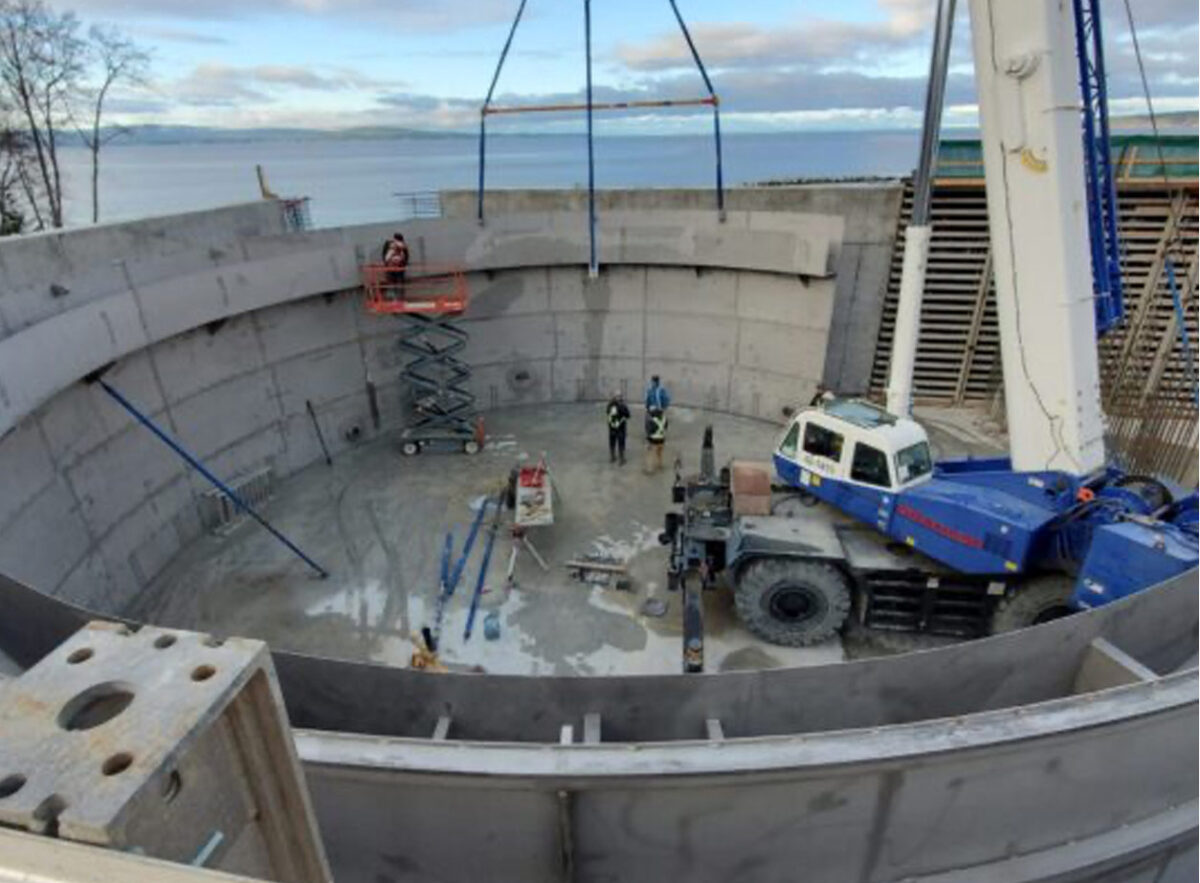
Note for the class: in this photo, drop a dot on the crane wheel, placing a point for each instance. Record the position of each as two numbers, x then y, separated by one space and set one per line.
1033 602
792 603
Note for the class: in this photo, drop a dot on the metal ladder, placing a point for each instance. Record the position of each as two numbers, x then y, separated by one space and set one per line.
447 417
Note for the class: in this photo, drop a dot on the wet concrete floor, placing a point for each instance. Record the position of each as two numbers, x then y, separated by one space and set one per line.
377 521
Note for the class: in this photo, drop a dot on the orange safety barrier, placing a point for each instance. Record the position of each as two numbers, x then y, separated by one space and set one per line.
423 288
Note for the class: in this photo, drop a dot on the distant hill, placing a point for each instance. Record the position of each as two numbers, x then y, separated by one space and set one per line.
151 134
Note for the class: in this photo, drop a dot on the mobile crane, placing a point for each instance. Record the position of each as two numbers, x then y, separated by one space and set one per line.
974 545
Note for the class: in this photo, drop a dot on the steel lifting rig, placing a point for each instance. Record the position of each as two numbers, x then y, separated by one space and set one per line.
430 301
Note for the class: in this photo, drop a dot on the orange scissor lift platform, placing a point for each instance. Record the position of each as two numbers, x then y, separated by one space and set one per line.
429 299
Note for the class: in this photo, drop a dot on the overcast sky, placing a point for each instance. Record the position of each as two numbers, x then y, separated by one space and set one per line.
427 63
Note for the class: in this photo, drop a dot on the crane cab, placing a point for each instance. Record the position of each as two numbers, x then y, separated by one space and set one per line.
853 454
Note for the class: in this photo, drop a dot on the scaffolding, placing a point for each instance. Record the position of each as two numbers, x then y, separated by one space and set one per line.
429 300
710 99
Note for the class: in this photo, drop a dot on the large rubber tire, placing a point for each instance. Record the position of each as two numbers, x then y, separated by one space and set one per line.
792 603
1035 601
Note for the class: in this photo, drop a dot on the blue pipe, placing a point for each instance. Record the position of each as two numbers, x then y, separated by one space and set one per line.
587 41
488 100
200 467
687 35
456 575
483 569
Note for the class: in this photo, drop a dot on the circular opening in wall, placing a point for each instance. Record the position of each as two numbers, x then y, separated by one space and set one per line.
11 784
162 642
95 706
116 764
83 654
47 812
203 672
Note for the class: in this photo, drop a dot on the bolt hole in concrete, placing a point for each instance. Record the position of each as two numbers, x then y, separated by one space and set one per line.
47 814
203 672
83 654
117 764
210 641
162 642
11 784
172 785
95 706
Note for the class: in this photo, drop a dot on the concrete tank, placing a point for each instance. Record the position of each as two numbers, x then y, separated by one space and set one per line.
1064 752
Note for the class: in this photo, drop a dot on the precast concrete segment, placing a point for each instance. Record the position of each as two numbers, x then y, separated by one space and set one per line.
1044 785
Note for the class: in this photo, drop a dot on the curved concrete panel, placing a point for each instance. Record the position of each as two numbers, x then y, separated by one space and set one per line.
999 759
225 344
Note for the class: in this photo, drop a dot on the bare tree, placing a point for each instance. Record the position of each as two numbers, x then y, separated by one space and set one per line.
118 59
15 179
42 62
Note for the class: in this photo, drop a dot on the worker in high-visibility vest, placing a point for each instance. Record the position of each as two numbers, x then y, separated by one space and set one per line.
656 438
617 413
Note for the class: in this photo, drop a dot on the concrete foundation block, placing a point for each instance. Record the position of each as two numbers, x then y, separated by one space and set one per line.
162 743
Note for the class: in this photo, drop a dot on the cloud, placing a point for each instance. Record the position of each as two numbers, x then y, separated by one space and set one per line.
412 15
808 43
221 85
177 35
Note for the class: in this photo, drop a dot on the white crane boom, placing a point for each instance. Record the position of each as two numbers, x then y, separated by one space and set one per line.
1029 111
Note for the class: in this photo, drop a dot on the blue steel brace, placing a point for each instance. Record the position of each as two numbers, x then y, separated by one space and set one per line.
203 470
1098 172
488 100
687 35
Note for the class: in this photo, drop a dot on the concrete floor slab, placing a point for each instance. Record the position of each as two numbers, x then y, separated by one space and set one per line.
377 521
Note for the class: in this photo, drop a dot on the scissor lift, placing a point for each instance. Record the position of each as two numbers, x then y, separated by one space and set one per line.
429 301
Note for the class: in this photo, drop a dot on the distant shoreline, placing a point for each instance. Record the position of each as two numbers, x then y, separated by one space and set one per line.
1175 123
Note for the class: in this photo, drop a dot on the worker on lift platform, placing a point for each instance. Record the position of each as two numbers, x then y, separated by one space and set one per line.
395 256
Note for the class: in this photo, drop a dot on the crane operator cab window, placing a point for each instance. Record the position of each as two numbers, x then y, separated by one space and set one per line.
913 462
870 466
822 442
787 447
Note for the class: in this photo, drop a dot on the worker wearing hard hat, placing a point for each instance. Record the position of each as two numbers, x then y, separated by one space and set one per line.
617 413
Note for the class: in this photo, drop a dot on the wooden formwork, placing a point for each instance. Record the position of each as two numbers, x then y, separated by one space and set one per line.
1147 386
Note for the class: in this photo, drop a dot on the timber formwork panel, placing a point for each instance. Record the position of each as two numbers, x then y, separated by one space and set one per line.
1147 384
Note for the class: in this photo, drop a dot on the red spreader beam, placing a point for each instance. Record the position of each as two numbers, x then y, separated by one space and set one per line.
708 100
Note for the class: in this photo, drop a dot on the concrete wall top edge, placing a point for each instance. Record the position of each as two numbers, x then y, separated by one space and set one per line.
108 315
1174 694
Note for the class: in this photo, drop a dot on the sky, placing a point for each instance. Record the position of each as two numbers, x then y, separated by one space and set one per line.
426 64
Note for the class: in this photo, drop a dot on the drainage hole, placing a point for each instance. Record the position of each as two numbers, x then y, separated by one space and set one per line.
162 642
203 672
83 654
